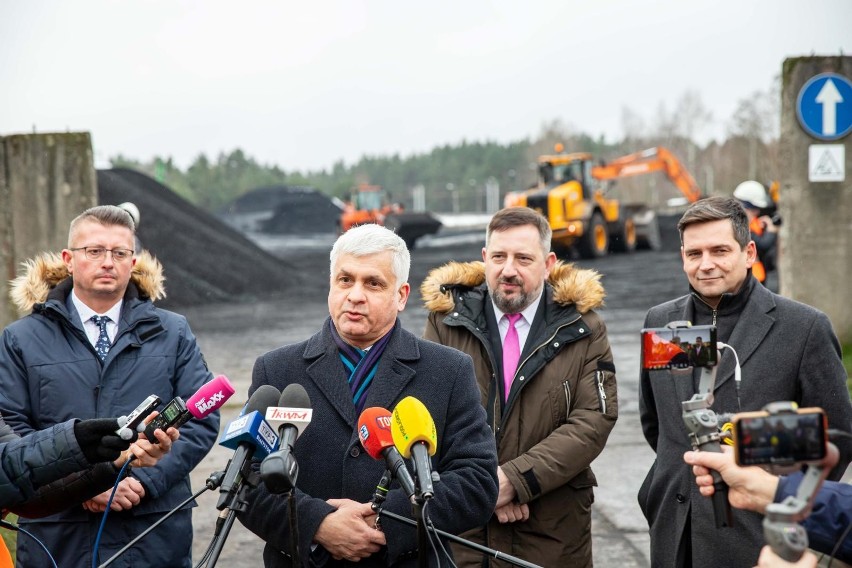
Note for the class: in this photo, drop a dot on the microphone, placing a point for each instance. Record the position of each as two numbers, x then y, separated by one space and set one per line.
292 415
374 431
414 435
206 400
247 434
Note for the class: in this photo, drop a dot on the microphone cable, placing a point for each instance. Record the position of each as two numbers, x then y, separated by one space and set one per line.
11 527
118 479
427 520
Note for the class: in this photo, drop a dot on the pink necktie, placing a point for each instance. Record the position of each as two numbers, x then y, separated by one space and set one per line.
511 354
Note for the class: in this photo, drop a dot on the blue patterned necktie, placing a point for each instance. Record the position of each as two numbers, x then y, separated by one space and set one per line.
102 344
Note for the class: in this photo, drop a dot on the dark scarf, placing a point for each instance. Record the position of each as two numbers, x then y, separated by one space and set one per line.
360 364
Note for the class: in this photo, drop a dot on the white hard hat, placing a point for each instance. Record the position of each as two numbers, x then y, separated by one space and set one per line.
753 193
133 210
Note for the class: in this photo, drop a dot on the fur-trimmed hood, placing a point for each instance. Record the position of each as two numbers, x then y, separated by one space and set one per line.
39 275
578 286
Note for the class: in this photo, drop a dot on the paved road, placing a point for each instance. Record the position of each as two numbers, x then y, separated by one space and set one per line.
233 336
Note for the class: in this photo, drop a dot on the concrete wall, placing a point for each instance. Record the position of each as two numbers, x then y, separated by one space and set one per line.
815 254
45 181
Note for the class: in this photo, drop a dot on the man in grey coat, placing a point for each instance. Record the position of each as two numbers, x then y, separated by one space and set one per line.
787 351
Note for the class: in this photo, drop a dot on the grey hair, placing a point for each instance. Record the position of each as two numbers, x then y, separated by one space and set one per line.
715 209
369 239
107 215
518 217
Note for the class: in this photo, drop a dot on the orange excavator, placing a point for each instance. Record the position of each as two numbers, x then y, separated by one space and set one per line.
571 193
370 204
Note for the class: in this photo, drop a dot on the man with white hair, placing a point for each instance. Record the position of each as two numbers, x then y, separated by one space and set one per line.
362 357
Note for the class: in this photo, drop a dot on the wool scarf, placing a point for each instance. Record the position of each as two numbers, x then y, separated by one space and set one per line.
360 364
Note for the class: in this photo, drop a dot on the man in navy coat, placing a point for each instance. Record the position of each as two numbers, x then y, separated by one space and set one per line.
361 357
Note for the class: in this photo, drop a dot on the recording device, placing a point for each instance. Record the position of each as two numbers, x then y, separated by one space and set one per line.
792 437
250 436
679 347
206 400
414 435
279 471
374 431
128 424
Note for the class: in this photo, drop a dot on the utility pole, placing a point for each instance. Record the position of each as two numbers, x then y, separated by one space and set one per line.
815 199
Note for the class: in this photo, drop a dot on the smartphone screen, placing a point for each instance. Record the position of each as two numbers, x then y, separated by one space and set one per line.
678 348
763 439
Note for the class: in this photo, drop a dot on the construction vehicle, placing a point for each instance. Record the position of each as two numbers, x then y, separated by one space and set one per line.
572 193
370 204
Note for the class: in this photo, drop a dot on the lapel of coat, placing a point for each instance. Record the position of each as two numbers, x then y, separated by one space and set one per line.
325 369
393 374
751 328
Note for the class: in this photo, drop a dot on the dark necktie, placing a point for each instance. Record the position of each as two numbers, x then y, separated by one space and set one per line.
102 344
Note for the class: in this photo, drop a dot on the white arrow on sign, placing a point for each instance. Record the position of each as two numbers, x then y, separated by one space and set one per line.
828 97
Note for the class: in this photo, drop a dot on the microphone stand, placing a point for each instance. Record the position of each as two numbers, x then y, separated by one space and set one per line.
238 503
496 554
214 481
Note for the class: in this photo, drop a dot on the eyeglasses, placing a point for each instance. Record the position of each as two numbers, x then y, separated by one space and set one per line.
97 253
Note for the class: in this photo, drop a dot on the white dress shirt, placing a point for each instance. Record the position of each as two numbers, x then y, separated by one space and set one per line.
91 328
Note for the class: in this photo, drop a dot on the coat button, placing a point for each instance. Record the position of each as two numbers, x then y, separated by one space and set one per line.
521 378
354 452
455 314
556 344
581 330
680 498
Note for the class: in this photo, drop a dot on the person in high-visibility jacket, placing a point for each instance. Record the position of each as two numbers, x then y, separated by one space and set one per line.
764 232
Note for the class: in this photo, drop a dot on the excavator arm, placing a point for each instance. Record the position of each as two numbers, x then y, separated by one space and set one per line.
648 161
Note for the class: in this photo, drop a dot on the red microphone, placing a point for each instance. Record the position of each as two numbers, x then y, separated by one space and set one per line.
374 431
206 400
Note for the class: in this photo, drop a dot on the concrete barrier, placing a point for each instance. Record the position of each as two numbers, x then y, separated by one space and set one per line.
45 181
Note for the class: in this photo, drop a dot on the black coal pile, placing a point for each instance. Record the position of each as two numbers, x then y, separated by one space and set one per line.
283 210
204 259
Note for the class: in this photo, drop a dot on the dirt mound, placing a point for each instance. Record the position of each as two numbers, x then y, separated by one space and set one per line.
283 210
204 259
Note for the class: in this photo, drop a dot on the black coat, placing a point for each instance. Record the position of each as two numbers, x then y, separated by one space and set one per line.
332 463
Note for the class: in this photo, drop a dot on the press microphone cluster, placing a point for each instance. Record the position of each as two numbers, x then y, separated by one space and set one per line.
206 400
249 435
279 471
409 432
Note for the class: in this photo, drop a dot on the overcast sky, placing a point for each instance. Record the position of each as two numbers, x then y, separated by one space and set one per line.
304 84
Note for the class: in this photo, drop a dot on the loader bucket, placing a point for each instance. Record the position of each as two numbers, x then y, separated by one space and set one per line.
411 226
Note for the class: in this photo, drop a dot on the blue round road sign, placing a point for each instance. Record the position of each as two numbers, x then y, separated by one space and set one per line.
824 106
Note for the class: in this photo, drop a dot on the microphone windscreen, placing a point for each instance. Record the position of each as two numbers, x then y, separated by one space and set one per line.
412 423
210 397
374 431
295 396
264 397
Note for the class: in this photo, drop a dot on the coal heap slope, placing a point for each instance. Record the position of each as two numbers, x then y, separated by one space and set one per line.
291 210
204 259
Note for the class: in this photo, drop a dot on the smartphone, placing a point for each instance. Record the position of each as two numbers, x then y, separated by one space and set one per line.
679 347
787 438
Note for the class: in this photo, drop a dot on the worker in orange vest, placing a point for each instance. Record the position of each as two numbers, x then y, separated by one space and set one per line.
764 232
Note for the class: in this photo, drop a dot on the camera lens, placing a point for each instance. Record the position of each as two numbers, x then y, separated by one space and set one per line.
776 220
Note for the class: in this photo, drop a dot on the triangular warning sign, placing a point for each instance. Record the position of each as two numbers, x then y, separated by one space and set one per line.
827 165
826 162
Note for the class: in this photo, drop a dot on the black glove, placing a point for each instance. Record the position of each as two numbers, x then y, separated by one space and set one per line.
98 440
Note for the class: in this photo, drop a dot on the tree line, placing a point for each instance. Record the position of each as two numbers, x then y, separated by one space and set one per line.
749 150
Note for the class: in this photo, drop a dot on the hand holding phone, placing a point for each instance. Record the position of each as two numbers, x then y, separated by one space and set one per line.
780 439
